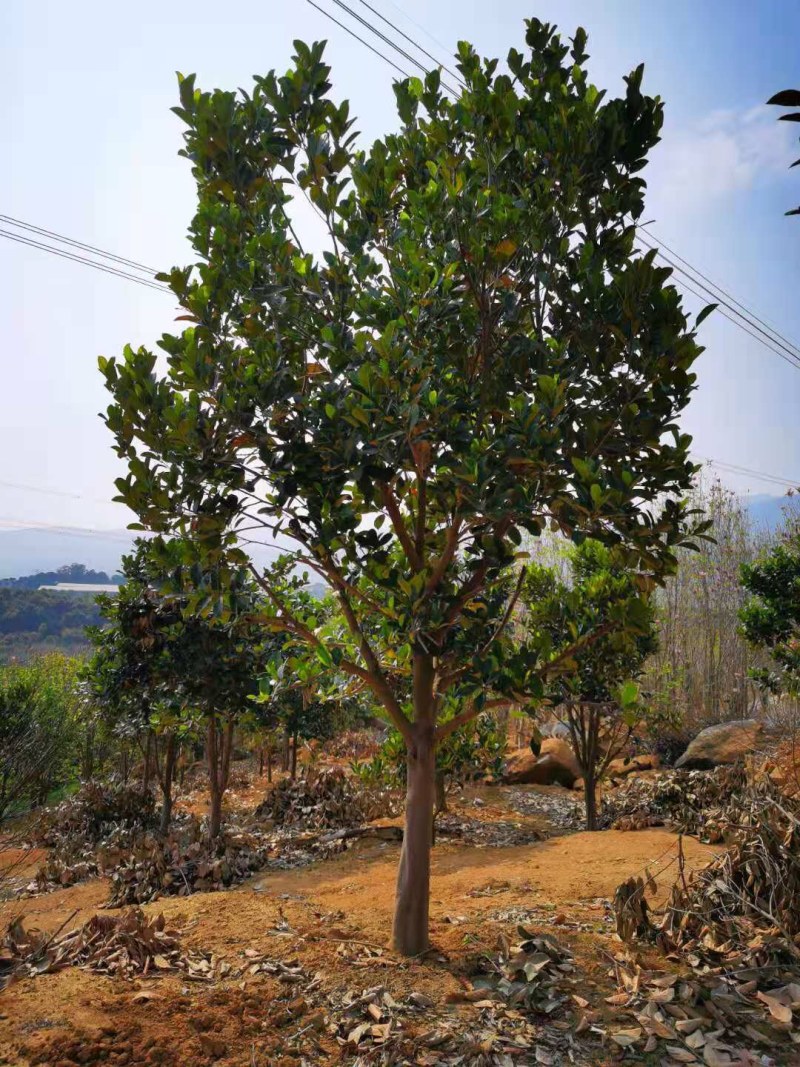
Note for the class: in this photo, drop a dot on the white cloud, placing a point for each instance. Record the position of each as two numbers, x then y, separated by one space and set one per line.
725 152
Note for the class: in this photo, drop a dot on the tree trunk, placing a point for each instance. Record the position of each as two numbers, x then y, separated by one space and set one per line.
215 815
269 764
148 762
285 753
293 774
590 797
227 754
441 793
213 757
261 762
88 754
412 901
167 777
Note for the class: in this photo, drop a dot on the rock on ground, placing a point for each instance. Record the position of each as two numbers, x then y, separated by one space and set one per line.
726 742
621 768
556 764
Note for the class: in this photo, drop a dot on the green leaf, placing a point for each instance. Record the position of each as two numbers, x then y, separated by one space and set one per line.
705 313
628 693
786 98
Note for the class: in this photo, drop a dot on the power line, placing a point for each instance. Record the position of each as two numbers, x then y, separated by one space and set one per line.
699 273
419 26
789 354
682 284
77 531
84 260
416 44
736 468
77 244
352 33
56 492
382 36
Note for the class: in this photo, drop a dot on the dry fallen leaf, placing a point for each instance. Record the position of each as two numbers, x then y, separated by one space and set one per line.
682 1055
618 998
626 1038
779 1011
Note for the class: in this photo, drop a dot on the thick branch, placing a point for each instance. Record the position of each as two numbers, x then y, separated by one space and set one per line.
403 536
512 603
467 715
376 678
296 627
443 562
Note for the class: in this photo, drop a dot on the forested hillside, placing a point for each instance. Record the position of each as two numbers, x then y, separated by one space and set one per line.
40 620
70 572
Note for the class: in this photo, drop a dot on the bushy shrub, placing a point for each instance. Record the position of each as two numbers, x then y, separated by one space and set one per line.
97 808
39 731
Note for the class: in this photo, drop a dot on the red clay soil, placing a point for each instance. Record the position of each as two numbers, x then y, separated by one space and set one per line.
326 918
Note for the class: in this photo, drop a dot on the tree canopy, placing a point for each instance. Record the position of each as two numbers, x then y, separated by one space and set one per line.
478 353
771 618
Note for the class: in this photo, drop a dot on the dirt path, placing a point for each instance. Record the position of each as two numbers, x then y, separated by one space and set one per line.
333 919
560 871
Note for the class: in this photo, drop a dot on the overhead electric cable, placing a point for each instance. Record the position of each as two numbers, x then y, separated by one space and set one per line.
736 468
715 285
788 353
352 33
416 44
77 244
84 260
382 36
56 492
78 531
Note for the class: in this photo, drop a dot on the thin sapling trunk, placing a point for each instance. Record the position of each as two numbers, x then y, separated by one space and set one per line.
412 901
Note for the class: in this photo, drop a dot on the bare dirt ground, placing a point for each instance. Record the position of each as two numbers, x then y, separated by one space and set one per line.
329 925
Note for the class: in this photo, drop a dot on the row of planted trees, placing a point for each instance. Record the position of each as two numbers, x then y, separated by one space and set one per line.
181 683
479 354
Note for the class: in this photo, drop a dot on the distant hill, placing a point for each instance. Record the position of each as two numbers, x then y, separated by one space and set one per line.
30 551
73 573
33 551
39 620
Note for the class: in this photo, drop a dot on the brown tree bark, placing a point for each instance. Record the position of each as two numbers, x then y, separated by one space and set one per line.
212 756
293 772
148 762
87 768
219 745
166 776
412 900
441 792
285 753
590 799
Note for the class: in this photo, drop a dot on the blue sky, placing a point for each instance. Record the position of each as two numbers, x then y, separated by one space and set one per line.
91 151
